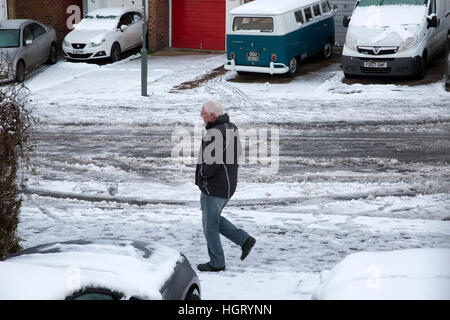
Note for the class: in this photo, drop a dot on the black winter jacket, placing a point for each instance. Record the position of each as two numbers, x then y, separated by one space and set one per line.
217 175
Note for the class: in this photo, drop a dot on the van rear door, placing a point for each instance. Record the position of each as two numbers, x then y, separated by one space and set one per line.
252 40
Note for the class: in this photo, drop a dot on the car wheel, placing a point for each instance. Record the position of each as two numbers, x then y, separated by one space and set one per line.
293 67
327 51
193 294
422 68
53 56
115 52
20 72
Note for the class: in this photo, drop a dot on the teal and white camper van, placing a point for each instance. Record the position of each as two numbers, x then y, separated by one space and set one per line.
269 36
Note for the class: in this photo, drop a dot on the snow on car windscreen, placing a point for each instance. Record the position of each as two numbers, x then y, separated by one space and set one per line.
98 23
367 3
255 24
9 38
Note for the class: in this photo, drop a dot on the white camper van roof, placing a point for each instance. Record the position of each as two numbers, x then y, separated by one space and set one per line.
272 7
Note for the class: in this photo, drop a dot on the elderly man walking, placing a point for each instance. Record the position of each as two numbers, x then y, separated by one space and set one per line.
216 176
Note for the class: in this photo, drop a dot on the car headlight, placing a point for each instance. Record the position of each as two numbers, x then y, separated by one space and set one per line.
408 43
96 44
66 43
350 41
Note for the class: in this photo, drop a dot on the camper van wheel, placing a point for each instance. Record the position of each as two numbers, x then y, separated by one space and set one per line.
327 51
293 66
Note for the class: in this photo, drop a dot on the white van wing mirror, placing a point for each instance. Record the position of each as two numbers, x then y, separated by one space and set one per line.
433 21
123 27
346 21
28 42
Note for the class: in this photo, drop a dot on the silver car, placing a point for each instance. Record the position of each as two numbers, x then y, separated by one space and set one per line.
25 45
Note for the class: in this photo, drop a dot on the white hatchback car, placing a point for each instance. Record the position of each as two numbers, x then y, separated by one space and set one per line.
104 33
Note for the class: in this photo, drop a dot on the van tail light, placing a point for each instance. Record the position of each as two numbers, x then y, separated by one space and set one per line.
274 57
232 55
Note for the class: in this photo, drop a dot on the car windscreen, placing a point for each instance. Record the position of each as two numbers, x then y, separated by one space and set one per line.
98 23
9 38
367 3
255 24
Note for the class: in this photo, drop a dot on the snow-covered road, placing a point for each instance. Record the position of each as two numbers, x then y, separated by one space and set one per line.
362 168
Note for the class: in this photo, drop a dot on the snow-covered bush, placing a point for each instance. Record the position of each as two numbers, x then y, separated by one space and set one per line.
16 145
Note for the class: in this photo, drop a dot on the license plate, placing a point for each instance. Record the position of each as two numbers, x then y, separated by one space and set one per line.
375 64
253 56
78 51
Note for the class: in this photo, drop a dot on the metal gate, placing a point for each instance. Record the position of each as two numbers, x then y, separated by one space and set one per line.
345 8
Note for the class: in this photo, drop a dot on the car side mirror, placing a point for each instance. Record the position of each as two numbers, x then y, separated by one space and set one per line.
433 21
28 42
335 8
346 21
123 27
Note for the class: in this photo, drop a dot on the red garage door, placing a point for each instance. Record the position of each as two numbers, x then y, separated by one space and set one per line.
198 24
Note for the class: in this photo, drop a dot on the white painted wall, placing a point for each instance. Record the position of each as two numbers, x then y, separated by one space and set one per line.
97 4
3 10
231 4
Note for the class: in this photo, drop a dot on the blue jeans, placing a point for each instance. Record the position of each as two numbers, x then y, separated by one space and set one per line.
214 225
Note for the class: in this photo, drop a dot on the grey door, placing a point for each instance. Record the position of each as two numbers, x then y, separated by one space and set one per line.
42 50
29 51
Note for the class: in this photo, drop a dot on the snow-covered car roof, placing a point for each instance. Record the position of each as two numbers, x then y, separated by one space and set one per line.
271 7
394 275
56 271
110 12
14 23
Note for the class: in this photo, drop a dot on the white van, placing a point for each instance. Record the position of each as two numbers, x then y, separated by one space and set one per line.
394 37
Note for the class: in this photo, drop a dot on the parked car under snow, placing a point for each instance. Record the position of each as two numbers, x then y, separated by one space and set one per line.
104 33
98 270
25 45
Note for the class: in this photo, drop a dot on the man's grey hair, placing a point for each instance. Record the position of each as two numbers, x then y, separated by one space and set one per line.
213 107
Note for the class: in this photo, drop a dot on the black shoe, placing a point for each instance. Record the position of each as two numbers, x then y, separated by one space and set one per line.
209 267
247 247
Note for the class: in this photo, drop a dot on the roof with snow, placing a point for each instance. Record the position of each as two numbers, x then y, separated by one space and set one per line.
416 274
56 271
273 7
110 11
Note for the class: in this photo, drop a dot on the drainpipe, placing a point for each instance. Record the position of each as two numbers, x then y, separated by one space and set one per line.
170 23
85 8
144 52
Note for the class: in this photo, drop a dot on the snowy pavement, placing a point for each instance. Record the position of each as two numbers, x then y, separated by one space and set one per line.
362 168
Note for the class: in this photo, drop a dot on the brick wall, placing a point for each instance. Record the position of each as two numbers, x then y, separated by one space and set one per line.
52 13
158 24
49 12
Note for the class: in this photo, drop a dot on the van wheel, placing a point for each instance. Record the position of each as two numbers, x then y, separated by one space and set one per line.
115 52
423 68
20 72
293 67
327 51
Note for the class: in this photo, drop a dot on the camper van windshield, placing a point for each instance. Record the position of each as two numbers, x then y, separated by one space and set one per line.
367 3
257 24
